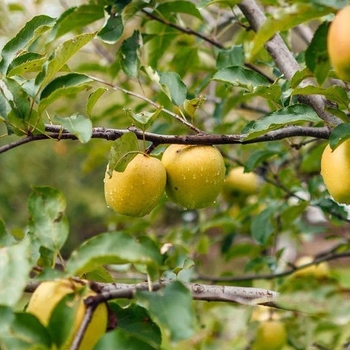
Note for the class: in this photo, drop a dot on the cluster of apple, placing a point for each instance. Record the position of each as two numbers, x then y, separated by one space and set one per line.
335 164
49 294
192 176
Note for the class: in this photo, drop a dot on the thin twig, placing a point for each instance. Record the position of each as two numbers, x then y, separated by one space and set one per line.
154 104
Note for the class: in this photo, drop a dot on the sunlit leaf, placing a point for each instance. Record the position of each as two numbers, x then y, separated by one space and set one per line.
48 222
15 266
95 273
294 114
62 86
27 35
112 30
78 125
112 248
93 99
75 18
172 308
284 19
339 134
240 76
60 57
130 61
333 93
143 120
26 63
123 150
173 87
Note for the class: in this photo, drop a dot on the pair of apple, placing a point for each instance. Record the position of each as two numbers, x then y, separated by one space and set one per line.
191 175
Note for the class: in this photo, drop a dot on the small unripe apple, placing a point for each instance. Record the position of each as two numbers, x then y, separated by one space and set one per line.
47 296
195 175
271 335
138 189
320 270
335 170
338 43
238 184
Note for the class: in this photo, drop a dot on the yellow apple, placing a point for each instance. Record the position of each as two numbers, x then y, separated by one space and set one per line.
335 170
239 184
271 335
338 43
138 189
47 296
320 270
195 174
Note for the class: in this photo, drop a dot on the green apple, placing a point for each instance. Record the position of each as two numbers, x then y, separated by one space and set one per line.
48 294
138 189
271 335
338 43
239 184
195 174
335 170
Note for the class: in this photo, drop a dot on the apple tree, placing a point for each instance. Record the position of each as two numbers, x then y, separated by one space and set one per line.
263 265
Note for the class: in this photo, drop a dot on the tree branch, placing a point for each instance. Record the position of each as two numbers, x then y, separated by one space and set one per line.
321 258
284 60
55 132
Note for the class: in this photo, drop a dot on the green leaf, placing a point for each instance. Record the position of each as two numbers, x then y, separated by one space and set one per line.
6 316
333 93
173 87
230 57
78 125
33 29
262 227
158 38
26 63
120 339
339 134
62 319
191 106
60 57
75 18
113 248
143 120
62 86
29 329
112 30
95 273
93 99
136 322
256 159
130 62
229 3
240 76
284 19
5 238
316 55
294 114
19 101
186 7
172 308
15 267
48 222
122 152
